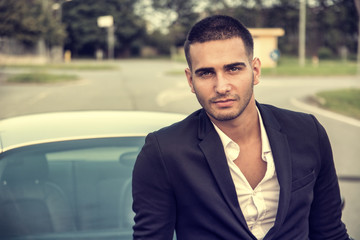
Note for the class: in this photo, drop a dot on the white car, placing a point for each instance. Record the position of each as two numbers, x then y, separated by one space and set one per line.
68 175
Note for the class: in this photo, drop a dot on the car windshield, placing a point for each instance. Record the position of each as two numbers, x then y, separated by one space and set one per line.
78 189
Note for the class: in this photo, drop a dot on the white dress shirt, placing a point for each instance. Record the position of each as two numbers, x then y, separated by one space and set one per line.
259 205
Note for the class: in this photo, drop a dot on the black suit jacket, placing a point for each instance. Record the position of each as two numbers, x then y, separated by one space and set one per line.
181 181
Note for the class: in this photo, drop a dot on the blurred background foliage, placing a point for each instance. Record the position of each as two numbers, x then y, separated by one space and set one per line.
29 20
332 25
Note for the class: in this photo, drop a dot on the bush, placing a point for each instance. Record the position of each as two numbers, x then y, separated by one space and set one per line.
325 53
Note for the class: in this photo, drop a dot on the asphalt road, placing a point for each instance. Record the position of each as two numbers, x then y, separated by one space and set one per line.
144 85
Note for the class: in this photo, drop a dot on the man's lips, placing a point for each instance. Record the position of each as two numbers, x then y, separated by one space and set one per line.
223 102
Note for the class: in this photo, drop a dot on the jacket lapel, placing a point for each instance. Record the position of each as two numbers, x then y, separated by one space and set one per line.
211 146
282 159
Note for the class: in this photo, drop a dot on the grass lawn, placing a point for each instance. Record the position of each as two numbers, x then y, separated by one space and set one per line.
288 66
75 65
40 77
343 101
38 72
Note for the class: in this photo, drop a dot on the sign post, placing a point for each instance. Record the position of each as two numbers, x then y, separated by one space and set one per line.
108 22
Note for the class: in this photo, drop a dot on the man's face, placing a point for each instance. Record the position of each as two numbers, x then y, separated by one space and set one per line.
222 77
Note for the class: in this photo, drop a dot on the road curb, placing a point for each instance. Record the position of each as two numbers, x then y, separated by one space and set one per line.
325 113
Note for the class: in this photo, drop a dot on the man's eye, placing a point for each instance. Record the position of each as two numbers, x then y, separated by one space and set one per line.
205 74
234 69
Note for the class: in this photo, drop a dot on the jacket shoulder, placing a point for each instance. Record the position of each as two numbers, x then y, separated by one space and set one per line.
284 118
187 125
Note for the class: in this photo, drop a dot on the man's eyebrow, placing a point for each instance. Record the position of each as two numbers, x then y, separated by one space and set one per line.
210 69
227 66
236 64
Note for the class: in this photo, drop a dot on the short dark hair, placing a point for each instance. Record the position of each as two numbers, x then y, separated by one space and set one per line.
218 27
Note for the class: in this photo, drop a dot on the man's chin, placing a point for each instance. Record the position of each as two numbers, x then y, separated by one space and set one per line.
223 116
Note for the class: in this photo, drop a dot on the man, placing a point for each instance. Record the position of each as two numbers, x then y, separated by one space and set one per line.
235 169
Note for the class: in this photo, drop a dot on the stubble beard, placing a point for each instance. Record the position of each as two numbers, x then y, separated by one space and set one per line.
227 116
218 115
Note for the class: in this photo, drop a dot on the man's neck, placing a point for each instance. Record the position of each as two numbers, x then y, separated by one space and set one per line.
244 128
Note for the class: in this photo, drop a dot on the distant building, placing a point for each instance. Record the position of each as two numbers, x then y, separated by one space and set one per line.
266 45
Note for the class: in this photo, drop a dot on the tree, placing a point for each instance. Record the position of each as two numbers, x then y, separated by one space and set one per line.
331 26
17 20
29 20
84 35
186 17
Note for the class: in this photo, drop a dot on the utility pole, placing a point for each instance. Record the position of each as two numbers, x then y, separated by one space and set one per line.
111 42
302 32
357 4
57 52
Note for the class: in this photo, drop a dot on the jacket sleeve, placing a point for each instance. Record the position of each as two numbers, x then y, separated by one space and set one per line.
325 214
153 198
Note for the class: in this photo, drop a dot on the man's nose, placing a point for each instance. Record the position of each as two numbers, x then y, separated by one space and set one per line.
222 84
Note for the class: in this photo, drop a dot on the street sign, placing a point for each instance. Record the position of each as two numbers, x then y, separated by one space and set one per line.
105 21
275 55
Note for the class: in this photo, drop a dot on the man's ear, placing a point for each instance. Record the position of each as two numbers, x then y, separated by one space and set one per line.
189 79
256 68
